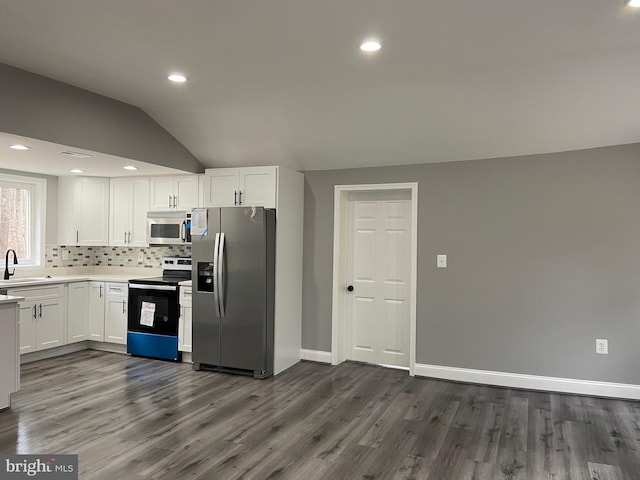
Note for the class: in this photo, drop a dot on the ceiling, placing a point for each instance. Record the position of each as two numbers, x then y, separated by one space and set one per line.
283 81
46 158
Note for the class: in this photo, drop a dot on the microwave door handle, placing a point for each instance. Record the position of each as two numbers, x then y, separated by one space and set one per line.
183 231
222 272
216 296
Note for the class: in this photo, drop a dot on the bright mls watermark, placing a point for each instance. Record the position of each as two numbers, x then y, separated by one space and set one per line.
52 467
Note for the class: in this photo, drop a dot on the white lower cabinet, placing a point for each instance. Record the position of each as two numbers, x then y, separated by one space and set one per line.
115 321
77 312
42 317
184 326
96 311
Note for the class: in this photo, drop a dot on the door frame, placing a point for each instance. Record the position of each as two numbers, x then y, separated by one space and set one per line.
338 302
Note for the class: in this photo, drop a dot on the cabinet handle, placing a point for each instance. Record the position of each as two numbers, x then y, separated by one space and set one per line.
100 291
169 201
77 236
129 238
40 310
35 312
175 202
125 237
123 302
240 197
235 197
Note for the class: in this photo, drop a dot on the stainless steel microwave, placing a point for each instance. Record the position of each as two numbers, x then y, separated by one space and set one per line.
168 228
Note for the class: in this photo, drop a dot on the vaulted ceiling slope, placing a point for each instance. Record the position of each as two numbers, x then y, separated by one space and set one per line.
283 81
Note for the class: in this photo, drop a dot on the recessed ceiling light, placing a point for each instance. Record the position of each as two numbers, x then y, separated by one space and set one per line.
633 3
370 46
76 170
177 78
71 153
130 167
18 146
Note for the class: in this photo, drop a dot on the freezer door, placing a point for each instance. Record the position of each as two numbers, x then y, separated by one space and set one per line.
244 288
206 325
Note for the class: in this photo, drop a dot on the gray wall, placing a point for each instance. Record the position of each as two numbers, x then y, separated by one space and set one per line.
38 107
543 254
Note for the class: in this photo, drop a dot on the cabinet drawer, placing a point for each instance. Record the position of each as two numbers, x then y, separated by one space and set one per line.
116 289
40 292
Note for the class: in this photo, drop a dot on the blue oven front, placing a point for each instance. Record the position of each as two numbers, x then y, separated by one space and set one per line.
153 317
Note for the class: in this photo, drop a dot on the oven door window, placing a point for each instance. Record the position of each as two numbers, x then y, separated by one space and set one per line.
153 311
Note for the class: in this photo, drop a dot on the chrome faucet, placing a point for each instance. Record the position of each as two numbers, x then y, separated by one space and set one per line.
6 263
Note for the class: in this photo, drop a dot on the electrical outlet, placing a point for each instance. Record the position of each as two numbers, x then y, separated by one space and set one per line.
65 254
441 261
602 346
140 257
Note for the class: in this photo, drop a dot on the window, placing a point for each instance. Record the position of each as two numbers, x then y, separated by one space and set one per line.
22 218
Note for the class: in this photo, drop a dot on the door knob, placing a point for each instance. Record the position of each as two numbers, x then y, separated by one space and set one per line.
350 288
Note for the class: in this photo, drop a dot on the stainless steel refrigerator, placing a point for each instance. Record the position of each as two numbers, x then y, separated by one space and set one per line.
233 278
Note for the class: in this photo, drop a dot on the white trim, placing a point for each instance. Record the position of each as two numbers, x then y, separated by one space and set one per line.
530 382
315 356
337 301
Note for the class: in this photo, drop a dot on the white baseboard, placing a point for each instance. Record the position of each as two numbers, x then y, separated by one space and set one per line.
315 356
530 382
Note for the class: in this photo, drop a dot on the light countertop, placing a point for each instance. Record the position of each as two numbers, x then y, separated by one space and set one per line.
9 299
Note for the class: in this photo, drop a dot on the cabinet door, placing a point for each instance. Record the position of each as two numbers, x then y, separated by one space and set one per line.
115 321
120 201
139 207
96 311
83 207
28 337
91 204
78 312
221 188
187 192
50 330
161 194
186 333
258 186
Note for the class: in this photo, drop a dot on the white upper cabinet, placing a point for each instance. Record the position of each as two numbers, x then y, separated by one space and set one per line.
173 193
129 203
241 187
83 210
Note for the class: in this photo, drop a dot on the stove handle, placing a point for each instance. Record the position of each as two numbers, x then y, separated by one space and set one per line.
216 265
153 287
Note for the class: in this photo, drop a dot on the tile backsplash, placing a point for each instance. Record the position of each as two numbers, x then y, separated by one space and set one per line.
111 256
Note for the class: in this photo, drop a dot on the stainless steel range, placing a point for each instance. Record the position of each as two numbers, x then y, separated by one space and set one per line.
154 311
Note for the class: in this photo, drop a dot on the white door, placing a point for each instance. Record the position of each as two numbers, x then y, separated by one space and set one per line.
137 236
92 214
257 187
186 191
378 256
50 329
221 188
161 194
77 312
96 311
120 212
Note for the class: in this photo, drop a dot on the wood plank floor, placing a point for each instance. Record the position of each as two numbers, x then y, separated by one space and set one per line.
132 418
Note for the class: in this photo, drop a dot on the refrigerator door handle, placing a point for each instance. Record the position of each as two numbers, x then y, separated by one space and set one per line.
222 273
216 294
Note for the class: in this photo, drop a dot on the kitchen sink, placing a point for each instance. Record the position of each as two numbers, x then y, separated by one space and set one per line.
25 280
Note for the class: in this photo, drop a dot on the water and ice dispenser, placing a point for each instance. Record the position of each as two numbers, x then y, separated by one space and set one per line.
206 271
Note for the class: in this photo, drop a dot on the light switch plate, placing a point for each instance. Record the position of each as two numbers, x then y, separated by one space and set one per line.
441 261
